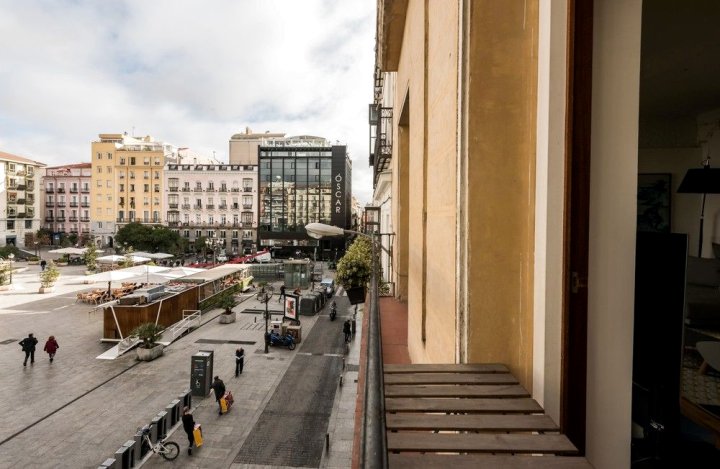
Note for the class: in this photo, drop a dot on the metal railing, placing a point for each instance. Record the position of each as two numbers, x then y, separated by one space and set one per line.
191 318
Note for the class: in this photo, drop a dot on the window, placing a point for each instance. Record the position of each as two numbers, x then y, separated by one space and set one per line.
109 156
157 161
157 175
99 169
132 174
132 160
146 201
198 185
211 219
146 187
99 183
122 187
186 233
108 169
122 160
146 161
132 187
11 224
109 198
109 212
198 234
108 183
28 224
99 155
146 174
156 188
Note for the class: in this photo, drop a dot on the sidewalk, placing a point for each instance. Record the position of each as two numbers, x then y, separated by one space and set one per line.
84 409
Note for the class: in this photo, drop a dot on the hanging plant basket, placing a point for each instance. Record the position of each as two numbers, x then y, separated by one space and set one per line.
356 295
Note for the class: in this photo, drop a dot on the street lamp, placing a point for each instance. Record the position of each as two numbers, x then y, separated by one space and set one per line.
374 448
264 297
212 244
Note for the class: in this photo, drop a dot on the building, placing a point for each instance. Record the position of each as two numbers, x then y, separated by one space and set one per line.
66 202
244 146
127 183
215 201
19 198
302 180
523 140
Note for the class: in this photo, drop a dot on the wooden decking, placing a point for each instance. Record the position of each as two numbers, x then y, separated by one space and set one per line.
469 416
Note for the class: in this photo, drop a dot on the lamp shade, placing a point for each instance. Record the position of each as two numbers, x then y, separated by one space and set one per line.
320 230
701 181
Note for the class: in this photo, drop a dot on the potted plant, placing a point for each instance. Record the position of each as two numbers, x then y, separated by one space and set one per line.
48 277
149 333
63 260
354 270
227 302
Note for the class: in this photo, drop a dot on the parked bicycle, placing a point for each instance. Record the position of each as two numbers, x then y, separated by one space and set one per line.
167 449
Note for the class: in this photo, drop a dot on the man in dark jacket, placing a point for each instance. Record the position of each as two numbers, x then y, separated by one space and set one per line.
189 426
239 361
218 388
28 346
346 330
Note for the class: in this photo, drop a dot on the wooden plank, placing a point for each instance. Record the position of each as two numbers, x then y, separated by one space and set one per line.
479 443
487 406
453 390
492 422
447 368
485 461
450 378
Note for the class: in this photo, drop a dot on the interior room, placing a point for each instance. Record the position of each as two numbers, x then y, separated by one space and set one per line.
676 365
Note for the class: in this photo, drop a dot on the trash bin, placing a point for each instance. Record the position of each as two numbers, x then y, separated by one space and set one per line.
307 306
201 371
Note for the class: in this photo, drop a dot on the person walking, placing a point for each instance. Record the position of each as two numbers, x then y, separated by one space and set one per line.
189 426
239 361
28 346
43 264
218 388
281 297
346 330
51 347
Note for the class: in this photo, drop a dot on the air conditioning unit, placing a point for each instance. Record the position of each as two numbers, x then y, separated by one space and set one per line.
150 294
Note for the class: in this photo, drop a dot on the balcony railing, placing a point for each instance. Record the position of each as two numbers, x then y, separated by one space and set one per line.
247 224
85 219
247 206
197 207
223 207
85 190
223 189
186 206
49 219
236 207
235 189
173 206
186 189
73 204
73 219
73 190
247 189
50 190
85 204
60 219
61 190
173 223
197 189
173 189
210 206
49 204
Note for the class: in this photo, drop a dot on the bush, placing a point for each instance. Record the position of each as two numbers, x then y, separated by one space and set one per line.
227 302
355 267
149 333
49 276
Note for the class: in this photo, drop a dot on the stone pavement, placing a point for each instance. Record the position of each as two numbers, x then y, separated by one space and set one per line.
79 410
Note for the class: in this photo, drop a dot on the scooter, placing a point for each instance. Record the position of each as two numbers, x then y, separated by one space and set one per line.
286 340
333 311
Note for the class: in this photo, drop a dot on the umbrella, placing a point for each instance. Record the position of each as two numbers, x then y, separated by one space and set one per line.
147 270
156 255
111 259
77 251
138 259
178 272
111 276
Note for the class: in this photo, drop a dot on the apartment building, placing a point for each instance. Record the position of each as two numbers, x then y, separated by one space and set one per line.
302 179
243 147
19 198
66 202
215 201
127 182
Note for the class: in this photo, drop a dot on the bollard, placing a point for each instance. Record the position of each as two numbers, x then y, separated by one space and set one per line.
186 399
142 448
122 456
341 380
174 410
161 420
109 463
131 451
327 442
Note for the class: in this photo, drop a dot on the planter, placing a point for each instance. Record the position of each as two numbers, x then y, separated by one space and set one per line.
148 354
356 295
49 289
227 318
61 264
33 262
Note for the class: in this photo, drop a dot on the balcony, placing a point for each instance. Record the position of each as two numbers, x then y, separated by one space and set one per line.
21 187
173 189
50 190
186 189
60 219
173 223
85 190
50 219
20 202
73 190
61 190
73 204
120 220
223 190
85 204
12 215
186 206
210 207
223 207
173 206
247 189
85 219
236 206
197 207
235 189
247 206
73 219
247 224
197 189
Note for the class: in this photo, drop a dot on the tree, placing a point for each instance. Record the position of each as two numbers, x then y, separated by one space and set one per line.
43 236
91 256
149 333
49 276
227 302
148 238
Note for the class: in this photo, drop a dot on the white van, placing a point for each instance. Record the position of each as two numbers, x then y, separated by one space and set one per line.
329 285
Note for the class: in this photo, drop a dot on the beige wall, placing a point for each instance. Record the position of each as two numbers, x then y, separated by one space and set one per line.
244 152
102 203
502 97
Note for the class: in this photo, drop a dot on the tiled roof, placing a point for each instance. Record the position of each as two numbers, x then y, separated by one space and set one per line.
18 159
76 165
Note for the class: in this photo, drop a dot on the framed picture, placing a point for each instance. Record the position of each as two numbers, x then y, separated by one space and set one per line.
653 202
290 307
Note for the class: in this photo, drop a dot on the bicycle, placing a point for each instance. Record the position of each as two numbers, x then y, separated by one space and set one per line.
168 450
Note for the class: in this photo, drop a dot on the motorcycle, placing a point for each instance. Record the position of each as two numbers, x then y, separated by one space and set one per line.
333 311
286 340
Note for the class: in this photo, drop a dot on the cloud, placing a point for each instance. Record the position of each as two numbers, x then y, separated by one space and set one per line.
187 72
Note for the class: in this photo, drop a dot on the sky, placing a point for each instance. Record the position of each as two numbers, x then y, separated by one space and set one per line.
190 73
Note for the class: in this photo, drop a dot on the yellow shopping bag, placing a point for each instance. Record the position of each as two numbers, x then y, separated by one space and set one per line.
197 434
223 405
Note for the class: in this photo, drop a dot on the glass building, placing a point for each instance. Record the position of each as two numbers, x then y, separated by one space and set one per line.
302 180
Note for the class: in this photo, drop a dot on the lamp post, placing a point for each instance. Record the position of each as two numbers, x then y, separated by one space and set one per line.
11 257
264 297
374 444
212 244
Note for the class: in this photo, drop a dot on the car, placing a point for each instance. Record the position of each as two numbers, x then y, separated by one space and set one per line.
329 285
222 258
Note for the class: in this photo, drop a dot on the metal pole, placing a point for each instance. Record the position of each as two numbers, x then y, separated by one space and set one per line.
265 297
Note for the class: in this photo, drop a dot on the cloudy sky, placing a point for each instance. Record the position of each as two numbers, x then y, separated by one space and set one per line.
191 73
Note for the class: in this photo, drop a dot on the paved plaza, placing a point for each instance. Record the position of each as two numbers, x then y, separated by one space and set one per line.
79 410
